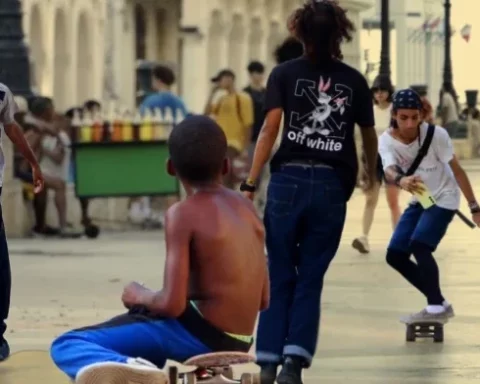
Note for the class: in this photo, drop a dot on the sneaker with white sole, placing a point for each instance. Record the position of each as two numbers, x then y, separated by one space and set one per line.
361 245
425 317
133 371
449 311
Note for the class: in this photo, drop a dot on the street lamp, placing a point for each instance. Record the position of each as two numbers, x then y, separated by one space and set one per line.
384 74
447 66
14 63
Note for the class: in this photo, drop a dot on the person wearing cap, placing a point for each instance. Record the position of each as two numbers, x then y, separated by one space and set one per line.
233 112
420 230
382 90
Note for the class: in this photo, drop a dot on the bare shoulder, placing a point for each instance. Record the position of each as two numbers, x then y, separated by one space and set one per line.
178 213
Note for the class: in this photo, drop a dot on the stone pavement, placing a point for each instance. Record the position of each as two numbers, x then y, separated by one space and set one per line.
60 285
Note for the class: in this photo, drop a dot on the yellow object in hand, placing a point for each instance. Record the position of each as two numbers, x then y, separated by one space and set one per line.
425 198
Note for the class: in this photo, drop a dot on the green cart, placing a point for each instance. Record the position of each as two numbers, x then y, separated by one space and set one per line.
122 169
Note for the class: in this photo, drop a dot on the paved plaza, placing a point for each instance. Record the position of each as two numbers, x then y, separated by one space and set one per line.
60 285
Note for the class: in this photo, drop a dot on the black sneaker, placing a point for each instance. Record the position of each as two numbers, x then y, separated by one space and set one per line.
268 373
4 349
291 372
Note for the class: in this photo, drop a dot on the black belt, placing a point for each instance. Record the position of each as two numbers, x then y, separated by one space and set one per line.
307 163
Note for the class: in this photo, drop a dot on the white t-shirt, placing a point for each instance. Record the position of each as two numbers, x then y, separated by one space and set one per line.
8 108
47 165
434 169
383 118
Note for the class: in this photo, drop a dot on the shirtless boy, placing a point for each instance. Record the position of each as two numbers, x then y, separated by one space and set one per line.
215 284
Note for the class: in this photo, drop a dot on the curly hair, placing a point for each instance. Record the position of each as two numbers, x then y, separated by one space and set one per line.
322 26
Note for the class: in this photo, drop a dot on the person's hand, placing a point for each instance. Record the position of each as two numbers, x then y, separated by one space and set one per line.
476 218
135 294
38 182
367 182
412 184
249 195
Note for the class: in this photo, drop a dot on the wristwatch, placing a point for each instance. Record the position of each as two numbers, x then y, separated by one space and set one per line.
398 178
248 186
474 207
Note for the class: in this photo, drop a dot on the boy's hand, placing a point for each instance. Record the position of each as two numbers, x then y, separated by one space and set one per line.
135 294
38 182
412 184
476 218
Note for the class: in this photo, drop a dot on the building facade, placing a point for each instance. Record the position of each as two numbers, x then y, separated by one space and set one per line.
90 48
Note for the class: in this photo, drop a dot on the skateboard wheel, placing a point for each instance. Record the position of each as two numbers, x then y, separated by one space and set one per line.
172 375
250 378
410 333
228 372
189 378
438 335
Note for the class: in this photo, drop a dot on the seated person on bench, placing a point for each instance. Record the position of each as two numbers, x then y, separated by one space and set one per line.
215 276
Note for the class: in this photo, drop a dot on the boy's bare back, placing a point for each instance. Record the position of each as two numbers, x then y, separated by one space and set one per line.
228 278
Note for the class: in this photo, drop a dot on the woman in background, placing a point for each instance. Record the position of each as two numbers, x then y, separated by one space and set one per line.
382 90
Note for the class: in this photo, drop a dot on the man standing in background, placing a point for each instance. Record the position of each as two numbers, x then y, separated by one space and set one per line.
163 99
8 108
256 90
234 113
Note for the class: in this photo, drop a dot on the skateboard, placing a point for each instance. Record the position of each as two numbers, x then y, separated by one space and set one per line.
425 329
215 368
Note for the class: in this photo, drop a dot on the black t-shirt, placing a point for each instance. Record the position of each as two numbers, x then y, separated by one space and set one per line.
321 107
258 98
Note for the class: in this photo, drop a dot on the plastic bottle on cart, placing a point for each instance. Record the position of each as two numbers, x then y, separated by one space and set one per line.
127 126
76 125
137 122
117 127
97 128
179 116
86 127
158 132
168 122
146 128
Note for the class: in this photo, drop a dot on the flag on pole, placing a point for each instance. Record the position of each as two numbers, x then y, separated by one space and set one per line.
466 32
435 23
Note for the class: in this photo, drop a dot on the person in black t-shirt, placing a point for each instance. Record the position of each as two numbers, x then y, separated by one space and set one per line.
313 175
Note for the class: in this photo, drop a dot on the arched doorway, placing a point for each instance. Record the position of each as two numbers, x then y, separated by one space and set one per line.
84 59
140 33
256 40
215 36
61 61
37 51
275 38
236 53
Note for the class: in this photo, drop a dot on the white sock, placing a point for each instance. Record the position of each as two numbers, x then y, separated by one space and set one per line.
445 303
435 309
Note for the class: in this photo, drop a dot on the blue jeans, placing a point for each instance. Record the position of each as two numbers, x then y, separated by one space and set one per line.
419 232
141 334
5 276
304 218
425 226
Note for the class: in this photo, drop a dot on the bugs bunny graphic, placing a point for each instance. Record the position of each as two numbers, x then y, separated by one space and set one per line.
323 111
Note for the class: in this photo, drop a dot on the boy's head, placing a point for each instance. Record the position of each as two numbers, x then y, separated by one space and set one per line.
162 77
198 149
256 70
43 108
92 106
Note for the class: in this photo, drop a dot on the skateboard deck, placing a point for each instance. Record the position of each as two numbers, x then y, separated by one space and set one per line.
425 329
216 368
220 359
27 367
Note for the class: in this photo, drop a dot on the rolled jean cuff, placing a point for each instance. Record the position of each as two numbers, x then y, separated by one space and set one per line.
295 350
268 358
